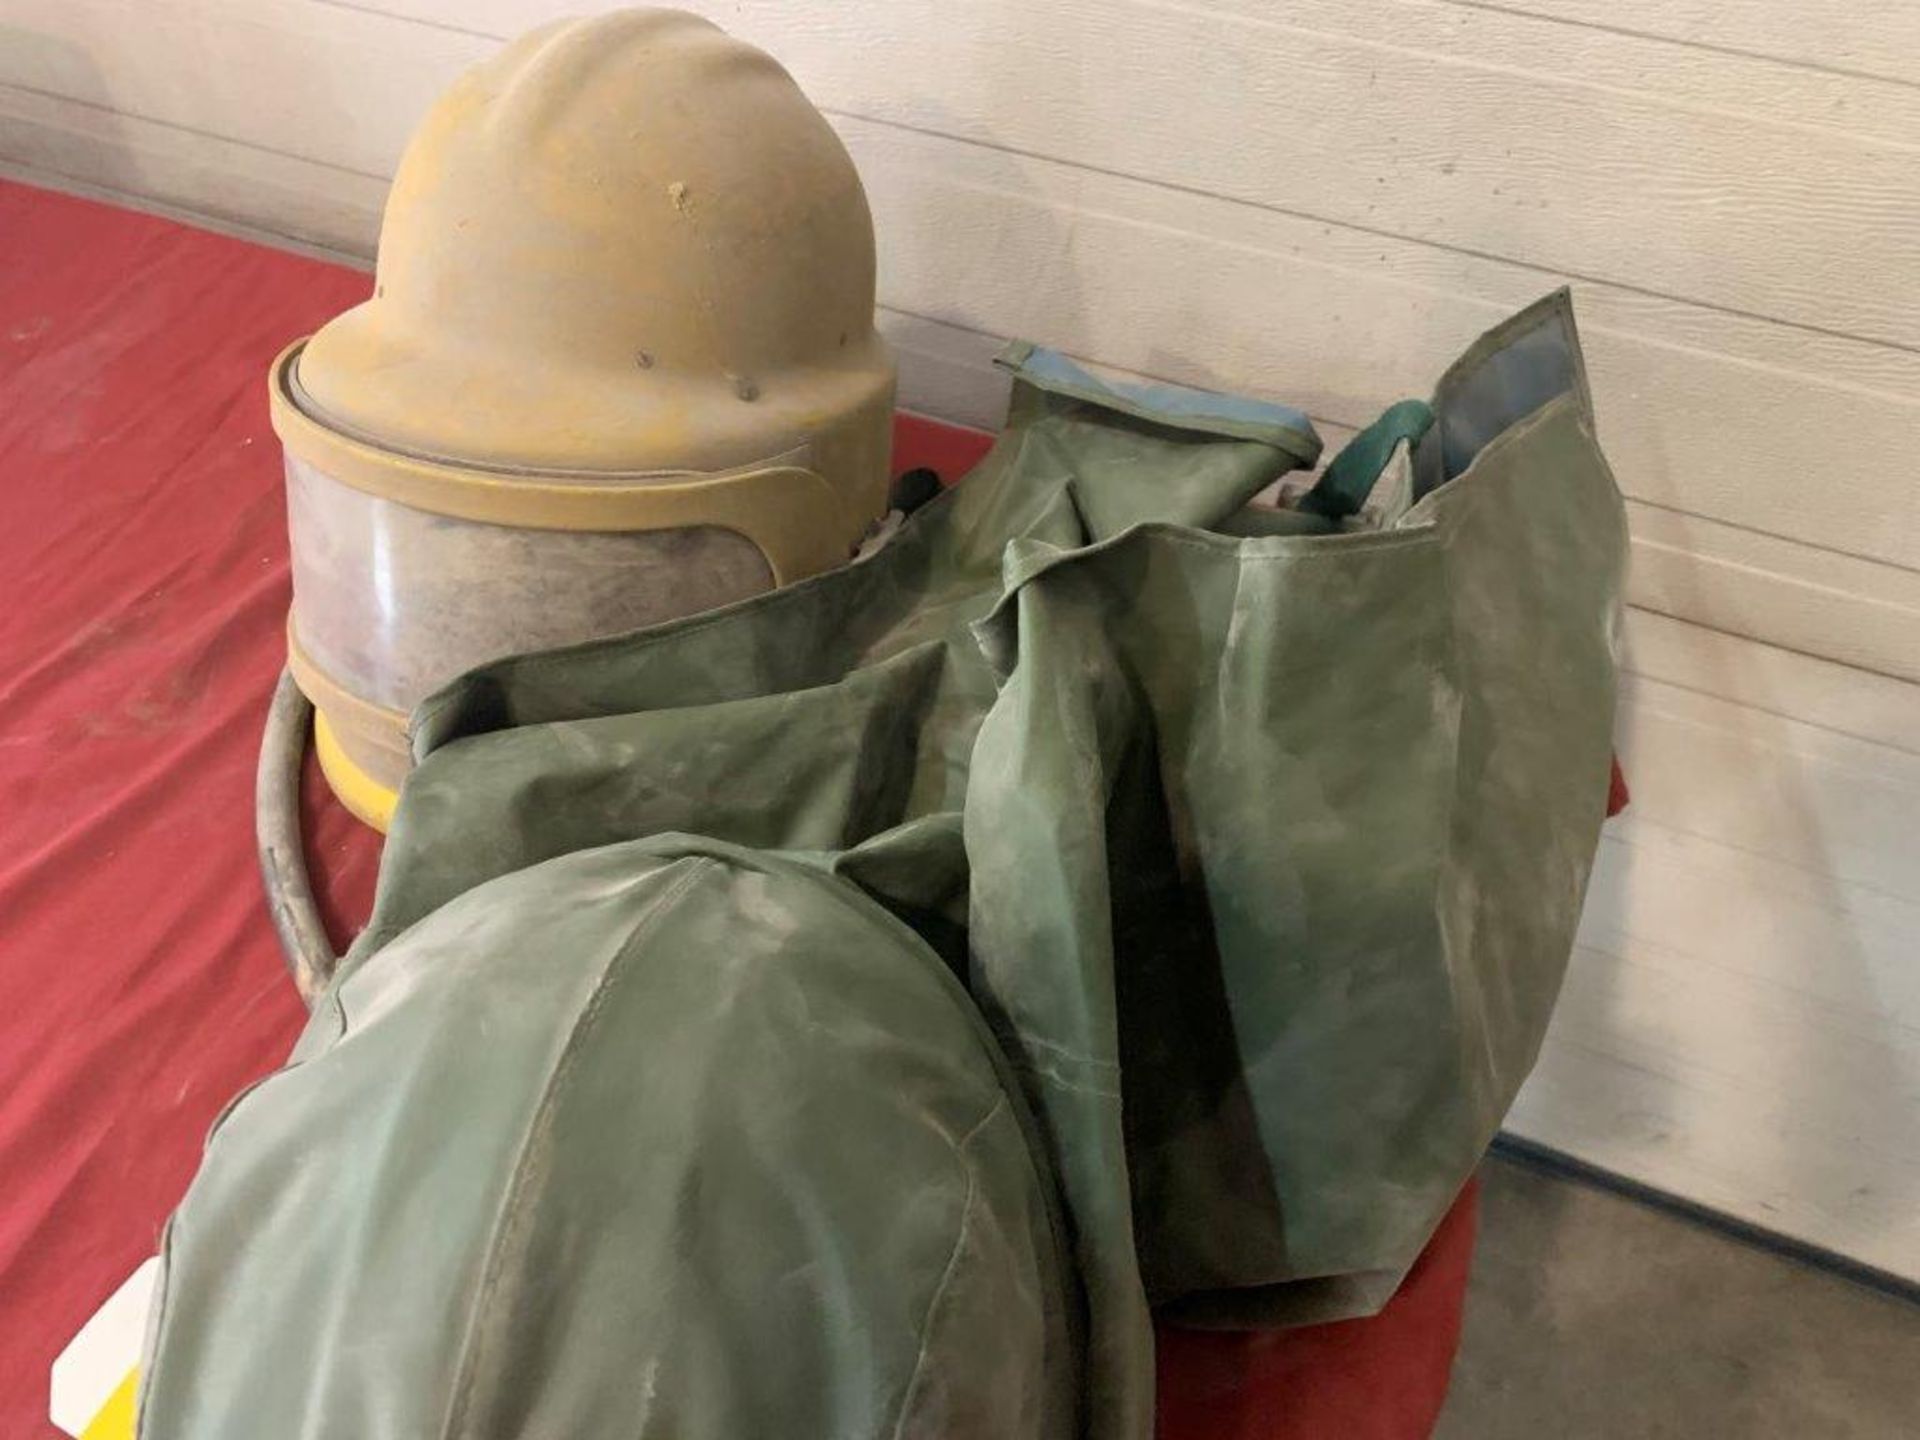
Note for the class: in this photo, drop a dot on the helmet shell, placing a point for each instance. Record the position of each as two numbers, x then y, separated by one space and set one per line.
619 365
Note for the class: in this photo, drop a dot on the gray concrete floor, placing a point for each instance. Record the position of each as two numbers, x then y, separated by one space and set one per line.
1590 1314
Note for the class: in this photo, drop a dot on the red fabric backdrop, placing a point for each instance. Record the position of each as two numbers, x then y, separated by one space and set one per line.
143 590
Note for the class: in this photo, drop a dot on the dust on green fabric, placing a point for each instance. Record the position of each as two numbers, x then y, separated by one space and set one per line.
1258 843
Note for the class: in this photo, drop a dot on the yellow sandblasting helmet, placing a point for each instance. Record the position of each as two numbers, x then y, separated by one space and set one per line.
619 366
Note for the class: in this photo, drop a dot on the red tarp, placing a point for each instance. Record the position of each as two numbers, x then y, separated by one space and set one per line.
143 556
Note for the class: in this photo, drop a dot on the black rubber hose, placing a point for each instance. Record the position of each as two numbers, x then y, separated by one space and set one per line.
283 860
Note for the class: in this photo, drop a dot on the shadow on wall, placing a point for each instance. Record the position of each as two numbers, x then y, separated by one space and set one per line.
97 151
172 146
1005 252
945 353
1797 935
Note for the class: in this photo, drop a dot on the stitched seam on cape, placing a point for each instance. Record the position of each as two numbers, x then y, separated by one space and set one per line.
510 1209
911 1393
1375 540
1225 547
1443 872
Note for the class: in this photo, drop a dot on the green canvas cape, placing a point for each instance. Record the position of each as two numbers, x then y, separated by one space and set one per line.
852 1012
